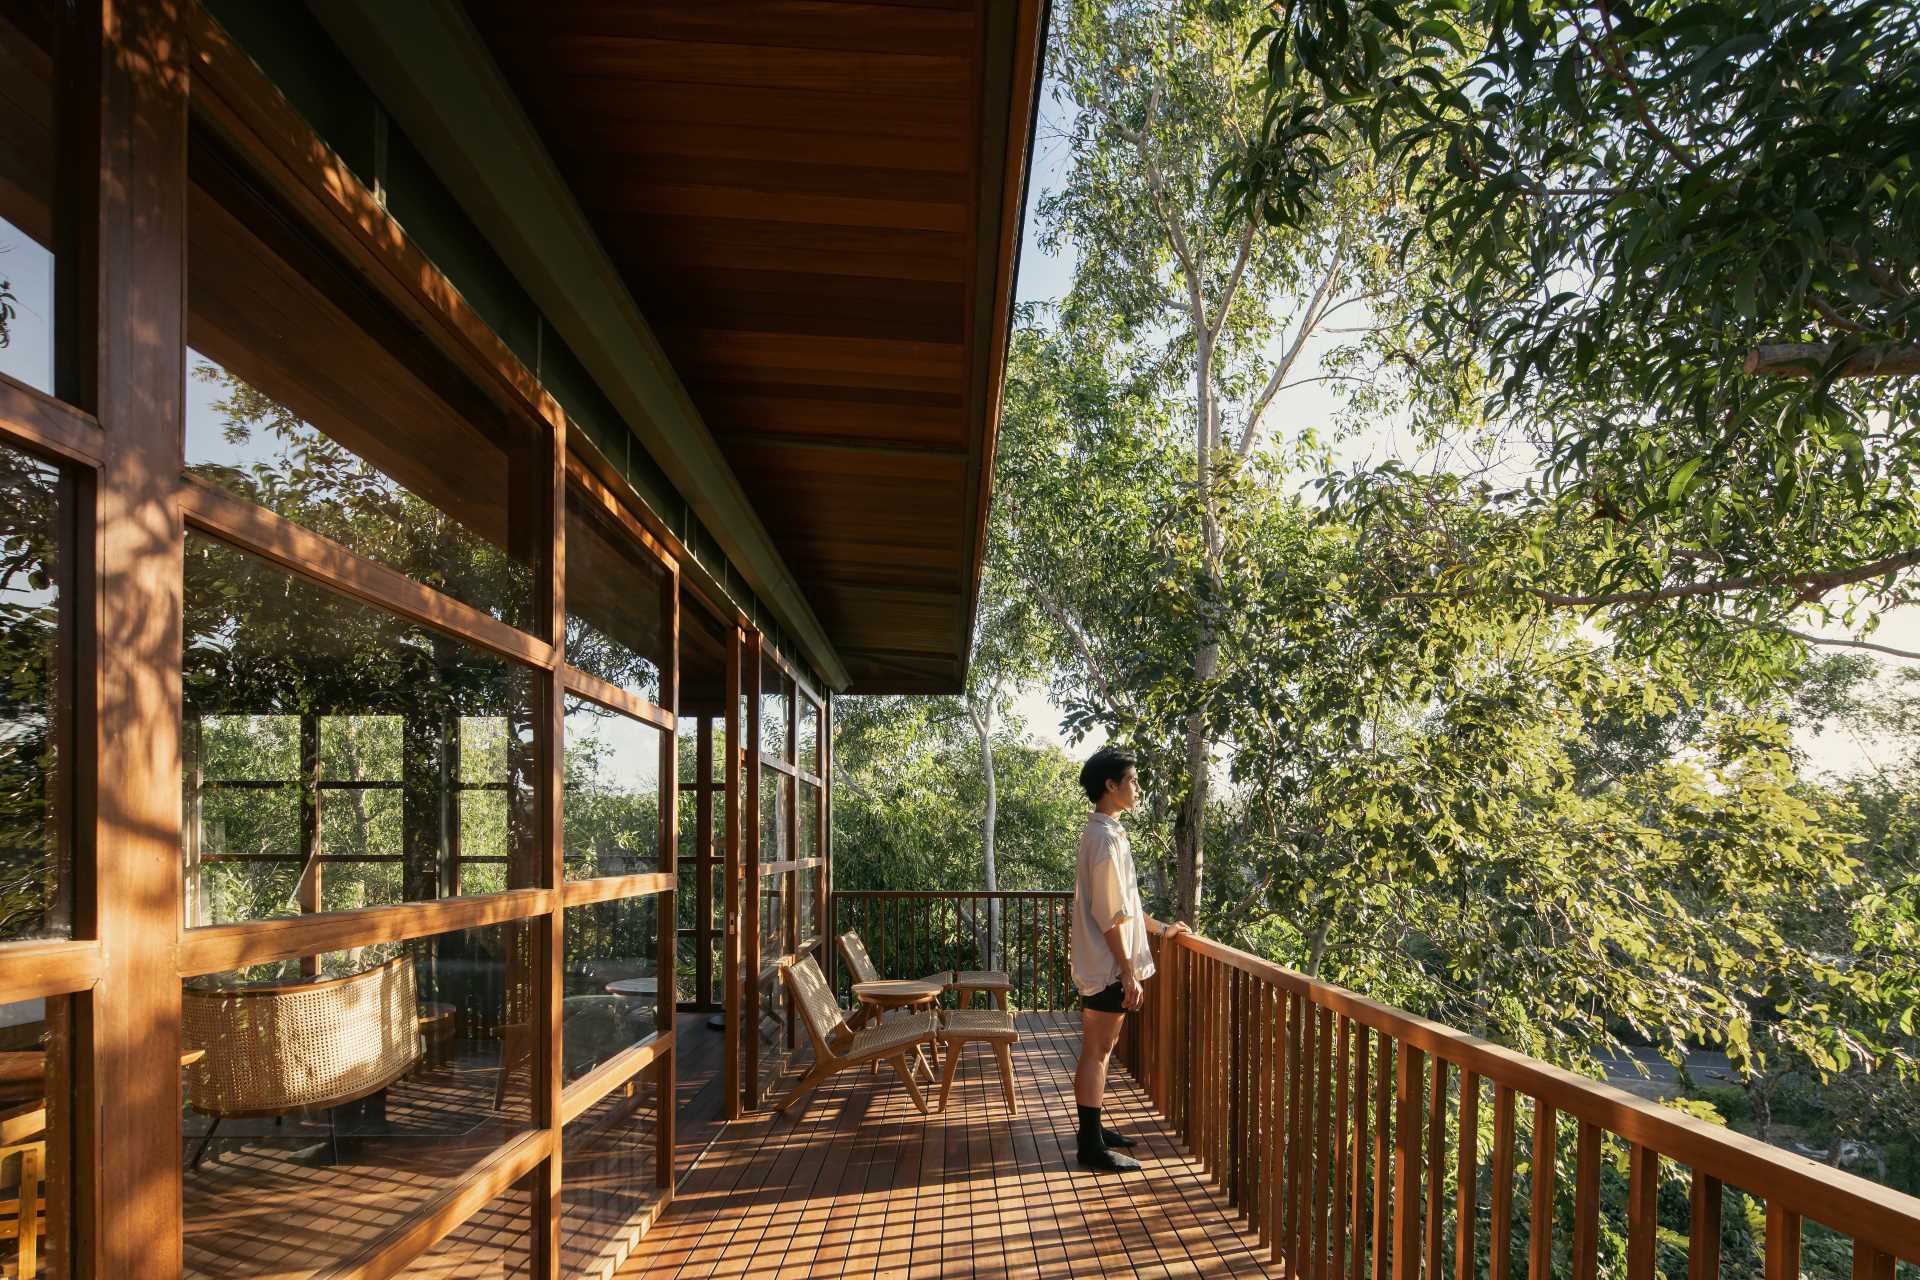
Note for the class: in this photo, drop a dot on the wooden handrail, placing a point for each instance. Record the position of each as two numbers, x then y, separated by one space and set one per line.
1242 1074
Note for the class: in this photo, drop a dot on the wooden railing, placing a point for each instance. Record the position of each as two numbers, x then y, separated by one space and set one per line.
910 934
1363 1143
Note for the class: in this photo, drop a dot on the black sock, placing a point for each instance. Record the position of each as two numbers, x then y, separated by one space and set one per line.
1114 1138
1090 1139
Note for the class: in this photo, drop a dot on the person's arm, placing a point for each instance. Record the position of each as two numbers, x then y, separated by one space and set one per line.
1110 909
1132 995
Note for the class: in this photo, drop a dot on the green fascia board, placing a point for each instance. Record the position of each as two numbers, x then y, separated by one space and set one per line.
434 73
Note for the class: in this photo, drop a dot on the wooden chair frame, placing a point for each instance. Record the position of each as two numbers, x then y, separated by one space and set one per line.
836 1046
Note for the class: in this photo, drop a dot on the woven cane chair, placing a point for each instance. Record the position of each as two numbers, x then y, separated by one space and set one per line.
962 1027
836 1046
307 1046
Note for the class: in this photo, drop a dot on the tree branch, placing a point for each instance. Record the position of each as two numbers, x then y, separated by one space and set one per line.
1807 359
1316 311
1617 68
1868 645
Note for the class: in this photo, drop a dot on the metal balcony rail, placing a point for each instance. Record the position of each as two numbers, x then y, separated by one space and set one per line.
910 934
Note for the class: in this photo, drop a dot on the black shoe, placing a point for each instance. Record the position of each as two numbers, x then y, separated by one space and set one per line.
1106 1161
1115 1139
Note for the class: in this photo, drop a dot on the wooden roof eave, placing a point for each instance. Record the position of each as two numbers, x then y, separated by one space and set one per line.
433 71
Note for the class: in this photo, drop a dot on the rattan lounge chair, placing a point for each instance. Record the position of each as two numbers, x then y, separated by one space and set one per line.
295 1047
836 1046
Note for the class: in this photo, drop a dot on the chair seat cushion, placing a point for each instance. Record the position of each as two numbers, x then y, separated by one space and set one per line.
982 980
978 1024
895 1033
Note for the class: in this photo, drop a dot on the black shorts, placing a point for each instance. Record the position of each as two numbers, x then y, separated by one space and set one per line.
1111 1000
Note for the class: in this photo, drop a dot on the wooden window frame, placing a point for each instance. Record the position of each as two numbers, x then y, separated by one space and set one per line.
147 77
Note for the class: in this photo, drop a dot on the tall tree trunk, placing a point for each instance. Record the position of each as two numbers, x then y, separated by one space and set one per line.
1190 826
983 725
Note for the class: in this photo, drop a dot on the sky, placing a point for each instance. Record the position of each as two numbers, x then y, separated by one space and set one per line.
1046 277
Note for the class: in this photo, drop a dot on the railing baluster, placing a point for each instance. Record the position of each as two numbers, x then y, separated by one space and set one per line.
1406 1171
1256 1104
1546 1136
1643 1194
1263 1092
1273 1019
1382 1157
1299 1133
1871 1264
1436 1161
1500 1175
1783 1242
1337 1264
1467 1175
1703 1238
1236 1075
1323 1146
1586 1203
1359 1188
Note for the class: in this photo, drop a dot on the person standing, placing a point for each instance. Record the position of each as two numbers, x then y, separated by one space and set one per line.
1110 954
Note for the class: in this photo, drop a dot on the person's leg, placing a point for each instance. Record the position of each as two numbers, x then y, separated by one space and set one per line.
1099 1033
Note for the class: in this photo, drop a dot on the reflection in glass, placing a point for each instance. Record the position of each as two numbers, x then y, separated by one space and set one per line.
347 1104
773 917
35 511
617 602
340 757
613 793
494 1244
610 1176
807 832
612 996
808 753
809 905
29 148
776 1020
776 697
34 1137
246 441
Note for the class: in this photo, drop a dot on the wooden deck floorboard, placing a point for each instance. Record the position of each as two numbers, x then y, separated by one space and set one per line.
856 1182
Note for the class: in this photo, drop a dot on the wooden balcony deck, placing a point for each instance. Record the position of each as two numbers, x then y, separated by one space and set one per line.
856 1182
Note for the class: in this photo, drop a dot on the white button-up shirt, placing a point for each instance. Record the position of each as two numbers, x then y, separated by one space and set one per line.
1105 890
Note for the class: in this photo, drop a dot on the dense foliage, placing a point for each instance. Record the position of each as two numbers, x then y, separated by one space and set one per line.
1500 727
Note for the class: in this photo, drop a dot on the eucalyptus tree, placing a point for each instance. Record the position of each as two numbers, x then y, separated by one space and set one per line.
1214 322
1682 241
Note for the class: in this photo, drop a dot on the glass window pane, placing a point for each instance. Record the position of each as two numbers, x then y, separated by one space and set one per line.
809 904
609 1177
809 752
611 971
614 792
35 1034
775 1022
30 38
774 697
307 396
807 833
347 1105
35 862
617 601
494 1244
404 716
773 917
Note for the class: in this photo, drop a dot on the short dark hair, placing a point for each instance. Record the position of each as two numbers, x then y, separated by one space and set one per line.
1108 764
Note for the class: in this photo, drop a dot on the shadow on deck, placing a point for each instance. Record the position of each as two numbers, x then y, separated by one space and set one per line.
856 1182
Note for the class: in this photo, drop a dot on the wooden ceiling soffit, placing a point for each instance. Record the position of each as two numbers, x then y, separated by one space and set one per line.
434 73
